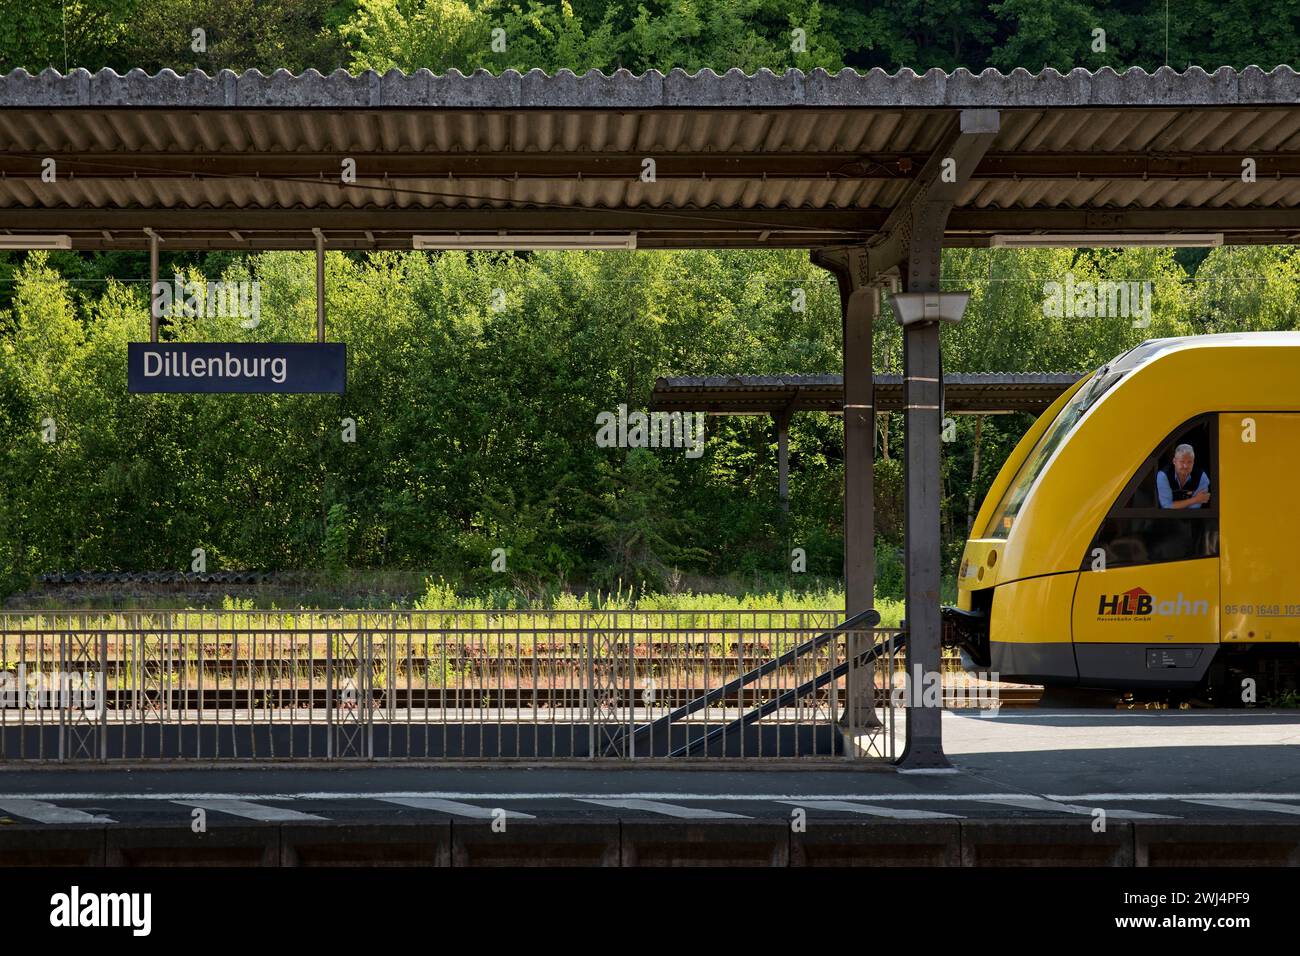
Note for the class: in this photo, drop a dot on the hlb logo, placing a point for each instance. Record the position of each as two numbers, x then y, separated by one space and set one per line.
1138 602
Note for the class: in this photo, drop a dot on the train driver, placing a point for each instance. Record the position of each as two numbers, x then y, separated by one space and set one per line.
1181 484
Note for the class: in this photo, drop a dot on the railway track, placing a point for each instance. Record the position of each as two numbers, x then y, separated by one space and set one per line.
221 699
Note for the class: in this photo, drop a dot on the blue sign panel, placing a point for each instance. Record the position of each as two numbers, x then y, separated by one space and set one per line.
236 367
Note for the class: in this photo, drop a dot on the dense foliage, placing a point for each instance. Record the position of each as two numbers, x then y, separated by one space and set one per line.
608 34
476 409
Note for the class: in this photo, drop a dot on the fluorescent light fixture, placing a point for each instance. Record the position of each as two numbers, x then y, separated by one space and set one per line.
35 242
1102 240
913 307
625 240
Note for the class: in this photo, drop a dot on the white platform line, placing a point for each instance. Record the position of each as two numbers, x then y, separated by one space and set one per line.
1121 814
1151 715
1190 797
669 809
897 813
457 809
43 812
1030 802
932 771
1251 805
250 811
481 796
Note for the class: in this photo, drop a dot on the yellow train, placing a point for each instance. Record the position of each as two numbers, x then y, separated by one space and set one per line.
1145 533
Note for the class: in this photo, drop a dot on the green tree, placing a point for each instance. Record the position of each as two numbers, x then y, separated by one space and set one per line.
639 522
63 35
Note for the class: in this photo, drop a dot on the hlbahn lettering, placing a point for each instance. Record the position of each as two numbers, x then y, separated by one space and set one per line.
1138 602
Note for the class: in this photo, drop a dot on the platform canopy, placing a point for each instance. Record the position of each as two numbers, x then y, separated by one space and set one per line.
978 393
798 160
873 173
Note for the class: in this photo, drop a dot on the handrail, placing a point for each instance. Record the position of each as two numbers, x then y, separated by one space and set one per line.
790 696
863 619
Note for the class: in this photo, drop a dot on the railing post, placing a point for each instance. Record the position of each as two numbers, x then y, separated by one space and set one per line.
101 698
390 675
591 691
65 638
367 675
631 688
740 691
170 640
329 696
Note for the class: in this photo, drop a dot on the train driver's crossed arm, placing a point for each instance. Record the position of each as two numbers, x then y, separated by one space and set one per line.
1181 484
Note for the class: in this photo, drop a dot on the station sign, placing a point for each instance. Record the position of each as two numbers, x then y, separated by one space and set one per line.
249 367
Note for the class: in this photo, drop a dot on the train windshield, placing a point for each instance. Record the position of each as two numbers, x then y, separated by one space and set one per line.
1100 383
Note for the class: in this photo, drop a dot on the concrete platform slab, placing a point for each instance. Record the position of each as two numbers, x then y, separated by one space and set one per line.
1027 790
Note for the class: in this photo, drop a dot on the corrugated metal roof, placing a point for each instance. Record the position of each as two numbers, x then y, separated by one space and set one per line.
768 159
964 393
623 90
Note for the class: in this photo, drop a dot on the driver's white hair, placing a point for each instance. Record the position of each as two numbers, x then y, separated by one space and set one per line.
1187 450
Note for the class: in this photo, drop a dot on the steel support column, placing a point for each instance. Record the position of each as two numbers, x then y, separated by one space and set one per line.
153 285
320 285
912 239
859 306
782 420
922 392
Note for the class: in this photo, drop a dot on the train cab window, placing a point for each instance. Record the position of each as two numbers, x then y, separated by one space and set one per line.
1168 511
1061 428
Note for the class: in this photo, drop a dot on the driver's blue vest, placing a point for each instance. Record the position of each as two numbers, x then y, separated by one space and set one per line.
1187 490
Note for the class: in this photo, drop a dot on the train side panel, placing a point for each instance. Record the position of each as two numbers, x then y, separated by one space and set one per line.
1029 636
1152 625
1260 527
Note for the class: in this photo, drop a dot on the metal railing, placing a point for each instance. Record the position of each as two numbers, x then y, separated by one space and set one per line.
442 685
